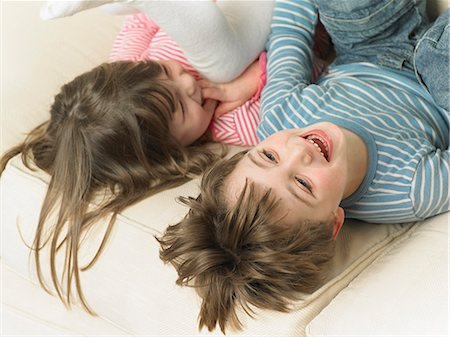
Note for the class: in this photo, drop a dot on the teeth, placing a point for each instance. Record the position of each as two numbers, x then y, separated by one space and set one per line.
311 140
316 146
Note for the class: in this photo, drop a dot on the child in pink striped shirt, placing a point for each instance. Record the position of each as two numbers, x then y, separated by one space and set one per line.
232 123
235 120
240 30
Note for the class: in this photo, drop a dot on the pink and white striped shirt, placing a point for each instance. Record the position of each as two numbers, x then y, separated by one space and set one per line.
141 39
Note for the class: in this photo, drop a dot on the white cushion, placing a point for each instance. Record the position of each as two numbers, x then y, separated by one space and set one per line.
28 311
404 292
131 287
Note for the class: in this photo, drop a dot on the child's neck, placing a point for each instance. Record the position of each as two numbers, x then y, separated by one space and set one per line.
358 162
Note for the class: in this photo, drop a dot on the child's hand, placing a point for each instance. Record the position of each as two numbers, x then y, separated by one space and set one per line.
235 93
210 105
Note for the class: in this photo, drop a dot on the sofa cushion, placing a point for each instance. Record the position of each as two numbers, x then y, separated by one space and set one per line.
404 292
29 311
130 286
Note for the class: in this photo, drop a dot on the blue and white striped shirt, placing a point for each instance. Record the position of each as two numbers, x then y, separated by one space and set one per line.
407 135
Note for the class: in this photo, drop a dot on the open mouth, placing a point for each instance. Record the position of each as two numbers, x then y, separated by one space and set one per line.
320 142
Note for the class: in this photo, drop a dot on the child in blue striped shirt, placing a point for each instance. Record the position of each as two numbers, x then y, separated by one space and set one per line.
369 140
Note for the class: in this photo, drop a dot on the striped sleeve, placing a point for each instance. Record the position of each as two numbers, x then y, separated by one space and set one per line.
132 42
289 50
430 191
237 127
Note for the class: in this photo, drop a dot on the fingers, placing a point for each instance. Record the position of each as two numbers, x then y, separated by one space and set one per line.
220 92
204 83
213 93
212 90
209 105
220 111
223 108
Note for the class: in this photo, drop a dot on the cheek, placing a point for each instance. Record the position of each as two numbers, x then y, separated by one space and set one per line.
331 180
198 123
203 119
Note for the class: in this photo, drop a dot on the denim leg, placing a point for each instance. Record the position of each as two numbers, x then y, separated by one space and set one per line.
431 60
383 32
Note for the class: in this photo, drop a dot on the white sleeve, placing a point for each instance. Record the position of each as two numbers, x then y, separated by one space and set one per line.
220 39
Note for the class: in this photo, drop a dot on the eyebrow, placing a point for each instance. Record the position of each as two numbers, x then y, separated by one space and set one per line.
290 189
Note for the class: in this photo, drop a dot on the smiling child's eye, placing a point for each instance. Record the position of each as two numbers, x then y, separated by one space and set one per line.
269 155
304 183
166 72
183 111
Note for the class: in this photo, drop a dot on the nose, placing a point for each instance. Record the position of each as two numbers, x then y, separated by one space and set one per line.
298 153
185 80
188 83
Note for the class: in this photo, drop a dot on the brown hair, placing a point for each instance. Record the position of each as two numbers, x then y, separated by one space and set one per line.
108 131
242 255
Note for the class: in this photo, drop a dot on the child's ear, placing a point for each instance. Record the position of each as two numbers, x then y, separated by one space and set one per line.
339 217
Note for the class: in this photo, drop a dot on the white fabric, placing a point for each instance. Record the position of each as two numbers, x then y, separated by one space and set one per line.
234 32
404 292
28 311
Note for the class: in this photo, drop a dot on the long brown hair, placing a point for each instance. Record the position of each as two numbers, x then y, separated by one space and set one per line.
242 255
108 131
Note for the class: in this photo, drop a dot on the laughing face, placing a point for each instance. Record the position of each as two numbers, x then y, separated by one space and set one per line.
191 117
310 170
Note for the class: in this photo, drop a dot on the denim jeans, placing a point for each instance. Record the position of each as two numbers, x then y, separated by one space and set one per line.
393 33
431 60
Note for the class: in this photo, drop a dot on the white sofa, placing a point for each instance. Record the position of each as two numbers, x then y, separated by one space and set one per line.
386 280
